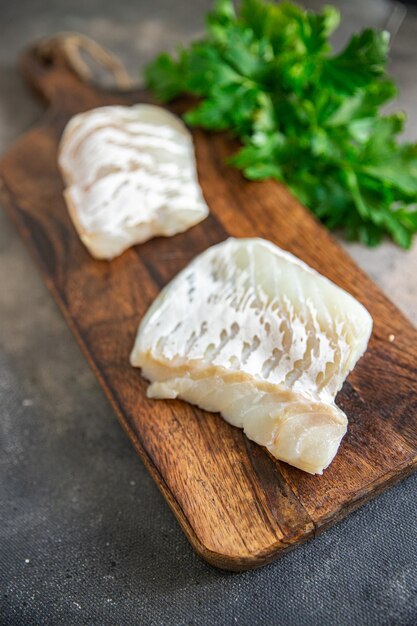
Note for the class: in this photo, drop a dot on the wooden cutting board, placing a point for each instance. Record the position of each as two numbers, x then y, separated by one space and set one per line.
238 506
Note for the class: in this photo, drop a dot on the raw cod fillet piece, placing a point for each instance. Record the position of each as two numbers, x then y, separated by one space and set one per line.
252 332
131 175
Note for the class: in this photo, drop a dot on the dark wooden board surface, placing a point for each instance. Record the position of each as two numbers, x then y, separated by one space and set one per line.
238 506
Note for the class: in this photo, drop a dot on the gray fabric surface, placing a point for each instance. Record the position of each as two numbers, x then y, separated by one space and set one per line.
85 536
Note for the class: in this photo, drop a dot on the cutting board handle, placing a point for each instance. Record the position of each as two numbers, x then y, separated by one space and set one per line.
56 67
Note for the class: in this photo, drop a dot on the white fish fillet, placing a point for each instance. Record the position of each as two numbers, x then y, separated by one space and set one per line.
250 331
131 175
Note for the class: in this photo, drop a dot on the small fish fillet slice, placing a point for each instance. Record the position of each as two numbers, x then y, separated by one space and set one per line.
131 175
252 332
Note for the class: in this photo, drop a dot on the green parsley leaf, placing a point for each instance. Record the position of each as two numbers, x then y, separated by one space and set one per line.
305 116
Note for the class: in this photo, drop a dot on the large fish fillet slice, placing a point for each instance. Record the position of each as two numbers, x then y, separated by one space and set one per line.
250 331
131 175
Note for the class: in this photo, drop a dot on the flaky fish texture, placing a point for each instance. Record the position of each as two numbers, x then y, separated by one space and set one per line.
252 332
130 175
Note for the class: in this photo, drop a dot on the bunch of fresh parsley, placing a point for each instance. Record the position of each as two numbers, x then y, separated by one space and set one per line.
305 116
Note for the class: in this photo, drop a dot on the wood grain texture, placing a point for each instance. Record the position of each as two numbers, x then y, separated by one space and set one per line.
239 507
